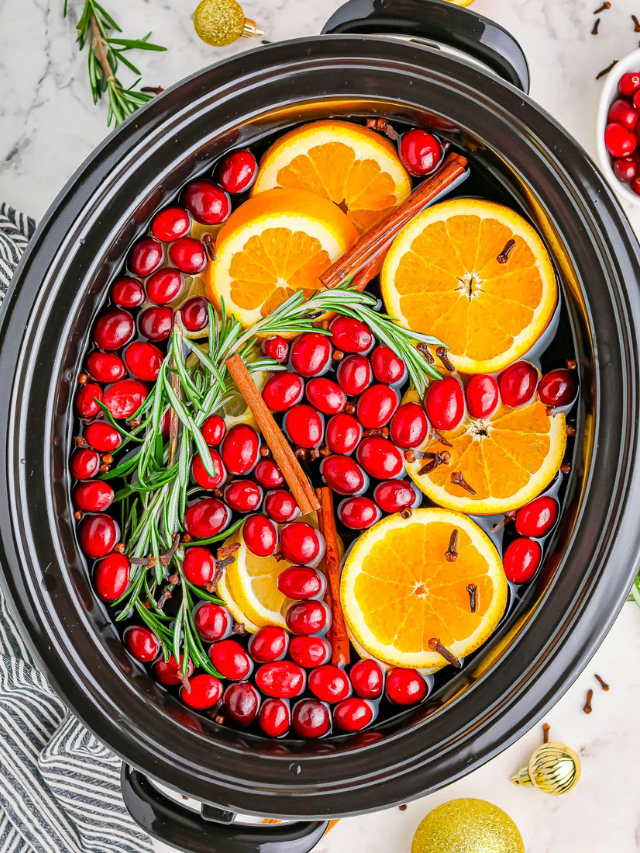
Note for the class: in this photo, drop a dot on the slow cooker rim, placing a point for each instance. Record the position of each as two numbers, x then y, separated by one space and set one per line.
136 129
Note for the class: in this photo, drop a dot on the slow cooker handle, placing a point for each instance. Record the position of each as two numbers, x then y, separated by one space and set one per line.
443 23
213 831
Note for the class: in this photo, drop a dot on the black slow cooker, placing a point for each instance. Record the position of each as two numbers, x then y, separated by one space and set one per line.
423 62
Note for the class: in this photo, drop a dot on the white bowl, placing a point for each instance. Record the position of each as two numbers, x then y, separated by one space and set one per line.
609 94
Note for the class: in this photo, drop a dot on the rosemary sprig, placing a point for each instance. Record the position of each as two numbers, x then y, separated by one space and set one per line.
105 53
154 500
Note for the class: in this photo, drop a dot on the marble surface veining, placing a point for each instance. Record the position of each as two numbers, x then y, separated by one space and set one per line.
48 125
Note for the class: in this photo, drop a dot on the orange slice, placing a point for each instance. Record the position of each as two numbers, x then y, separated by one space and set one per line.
443 275
351 165
507 460
273 245
398 590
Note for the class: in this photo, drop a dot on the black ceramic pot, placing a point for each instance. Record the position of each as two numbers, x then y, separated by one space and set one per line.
62 281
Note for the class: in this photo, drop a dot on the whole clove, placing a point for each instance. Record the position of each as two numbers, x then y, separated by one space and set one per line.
606 70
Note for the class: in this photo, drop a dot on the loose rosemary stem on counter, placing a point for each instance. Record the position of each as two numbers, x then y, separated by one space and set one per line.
104 55
153 501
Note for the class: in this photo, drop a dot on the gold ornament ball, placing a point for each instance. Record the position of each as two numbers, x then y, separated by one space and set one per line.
467 826
219 22
554 768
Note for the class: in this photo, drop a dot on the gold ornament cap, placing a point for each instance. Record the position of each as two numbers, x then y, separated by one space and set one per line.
467 826
553 768
221 22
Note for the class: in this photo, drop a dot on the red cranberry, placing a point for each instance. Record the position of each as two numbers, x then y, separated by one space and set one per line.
354 374
636 105
231 660
358 513
380 458
558 387
243 495
310 651
170 673
194 313
300 543
619 140
405 686
281 679
281 506
538 517
112 577
521 560
304 426
144 360
164 286
310 354
105 366
444 403
353 714
483 396
343 475
84 464
367 678
240 449
205 479
189 256
409 426
629 84
268 474
125 397
635 185
268 644
127 293
87 400
145 257
377 405
387 367
622 112
98 535
310 718
518 384
92 496
301 583
206 518
205 691
329 683
156 323
326 396
199 565
419 151
343 434
394 495
141 643
307 617
213 622
350 335
626 169
274 718
282 391
241 703
213 430
207 203
114 329
276 348
238 171
260 535
102 436
170 224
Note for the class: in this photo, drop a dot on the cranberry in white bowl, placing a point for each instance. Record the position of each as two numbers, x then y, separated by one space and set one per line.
618 128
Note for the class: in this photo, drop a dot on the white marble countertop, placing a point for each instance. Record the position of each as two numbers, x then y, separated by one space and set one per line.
48 125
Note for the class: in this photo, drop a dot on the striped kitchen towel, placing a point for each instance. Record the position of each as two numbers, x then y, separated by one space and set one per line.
59 785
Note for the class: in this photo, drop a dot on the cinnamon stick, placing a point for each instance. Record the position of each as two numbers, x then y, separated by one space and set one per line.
280 448
337 633
374 243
